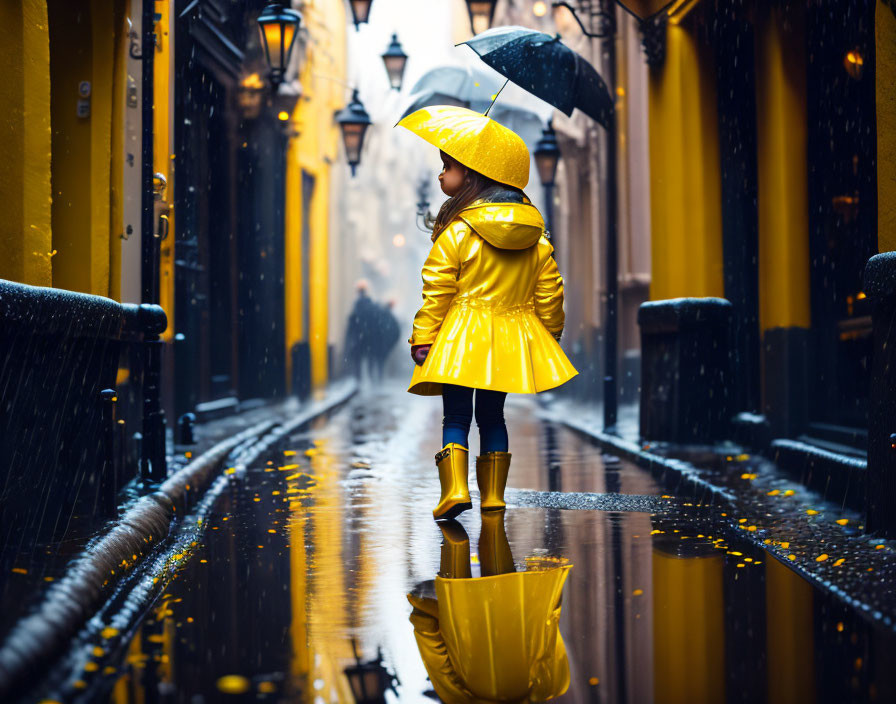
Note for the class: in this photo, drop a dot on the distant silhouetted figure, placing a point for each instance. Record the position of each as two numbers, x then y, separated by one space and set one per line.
387 334
360 333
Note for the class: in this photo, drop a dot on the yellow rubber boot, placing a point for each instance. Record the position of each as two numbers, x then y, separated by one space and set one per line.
452 461
491 476
494 549
455 558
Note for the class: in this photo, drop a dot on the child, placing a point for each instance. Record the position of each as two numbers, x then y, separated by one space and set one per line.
492 309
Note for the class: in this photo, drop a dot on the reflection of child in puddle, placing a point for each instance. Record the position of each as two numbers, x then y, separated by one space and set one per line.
494 637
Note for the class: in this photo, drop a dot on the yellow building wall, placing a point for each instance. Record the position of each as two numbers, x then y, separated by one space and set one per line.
885 45
25 239
317 146
782 167
685 182
163 152
83 42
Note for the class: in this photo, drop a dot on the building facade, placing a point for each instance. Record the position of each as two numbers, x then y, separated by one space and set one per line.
241 199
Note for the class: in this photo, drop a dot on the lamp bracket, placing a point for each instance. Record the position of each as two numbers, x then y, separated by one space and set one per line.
606 21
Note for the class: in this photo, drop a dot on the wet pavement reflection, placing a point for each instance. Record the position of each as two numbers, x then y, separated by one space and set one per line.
321 577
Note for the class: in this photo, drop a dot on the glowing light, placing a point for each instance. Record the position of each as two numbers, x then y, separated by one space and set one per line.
253 80
283 116
854 63
540 8
398 240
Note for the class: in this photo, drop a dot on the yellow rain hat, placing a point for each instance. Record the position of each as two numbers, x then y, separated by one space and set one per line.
476 141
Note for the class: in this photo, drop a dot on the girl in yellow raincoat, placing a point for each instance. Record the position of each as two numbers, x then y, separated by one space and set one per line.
492 311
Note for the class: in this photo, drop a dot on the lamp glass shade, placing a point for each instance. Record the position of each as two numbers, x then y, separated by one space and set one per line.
353 137
546 164
482 13
278 27
353 120
360 11
395 60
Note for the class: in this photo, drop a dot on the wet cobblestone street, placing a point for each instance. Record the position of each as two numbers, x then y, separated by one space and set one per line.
304 568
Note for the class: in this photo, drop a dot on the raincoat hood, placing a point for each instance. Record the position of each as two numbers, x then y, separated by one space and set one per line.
505 219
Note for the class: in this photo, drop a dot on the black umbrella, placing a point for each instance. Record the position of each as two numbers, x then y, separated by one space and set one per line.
547 68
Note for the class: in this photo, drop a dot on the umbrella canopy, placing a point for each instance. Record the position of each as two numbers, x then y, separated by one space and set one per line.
453 85
547 68
475 140
474 87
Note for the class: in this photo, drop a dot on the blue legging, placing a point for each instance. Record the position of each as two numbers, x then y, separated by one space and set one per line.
457 402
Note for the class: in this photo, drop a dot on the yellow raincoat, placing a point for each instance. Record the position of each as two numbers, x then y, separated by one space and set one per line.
494 639
492 304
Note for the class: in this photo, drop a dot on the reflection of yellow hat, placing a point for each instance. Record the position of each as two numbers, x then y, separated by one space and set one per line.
476 141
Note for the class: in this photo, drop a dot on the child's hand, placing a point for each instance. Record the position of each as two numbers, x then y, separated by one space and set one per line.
419 352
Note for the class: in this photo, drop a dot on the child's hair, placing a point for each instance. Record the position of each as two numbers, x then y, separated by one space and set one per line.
474 186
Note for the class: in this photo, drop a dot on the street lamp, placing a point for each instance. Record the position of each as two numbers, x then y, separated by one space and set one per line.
360 11
278 26
547 156
395 60
601 15
369 680
353 120
423 214
482 12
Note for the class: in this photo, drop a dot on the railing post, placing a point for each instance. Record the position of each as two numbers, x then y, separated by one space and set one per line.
685 370
880 486
153 464
109 480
